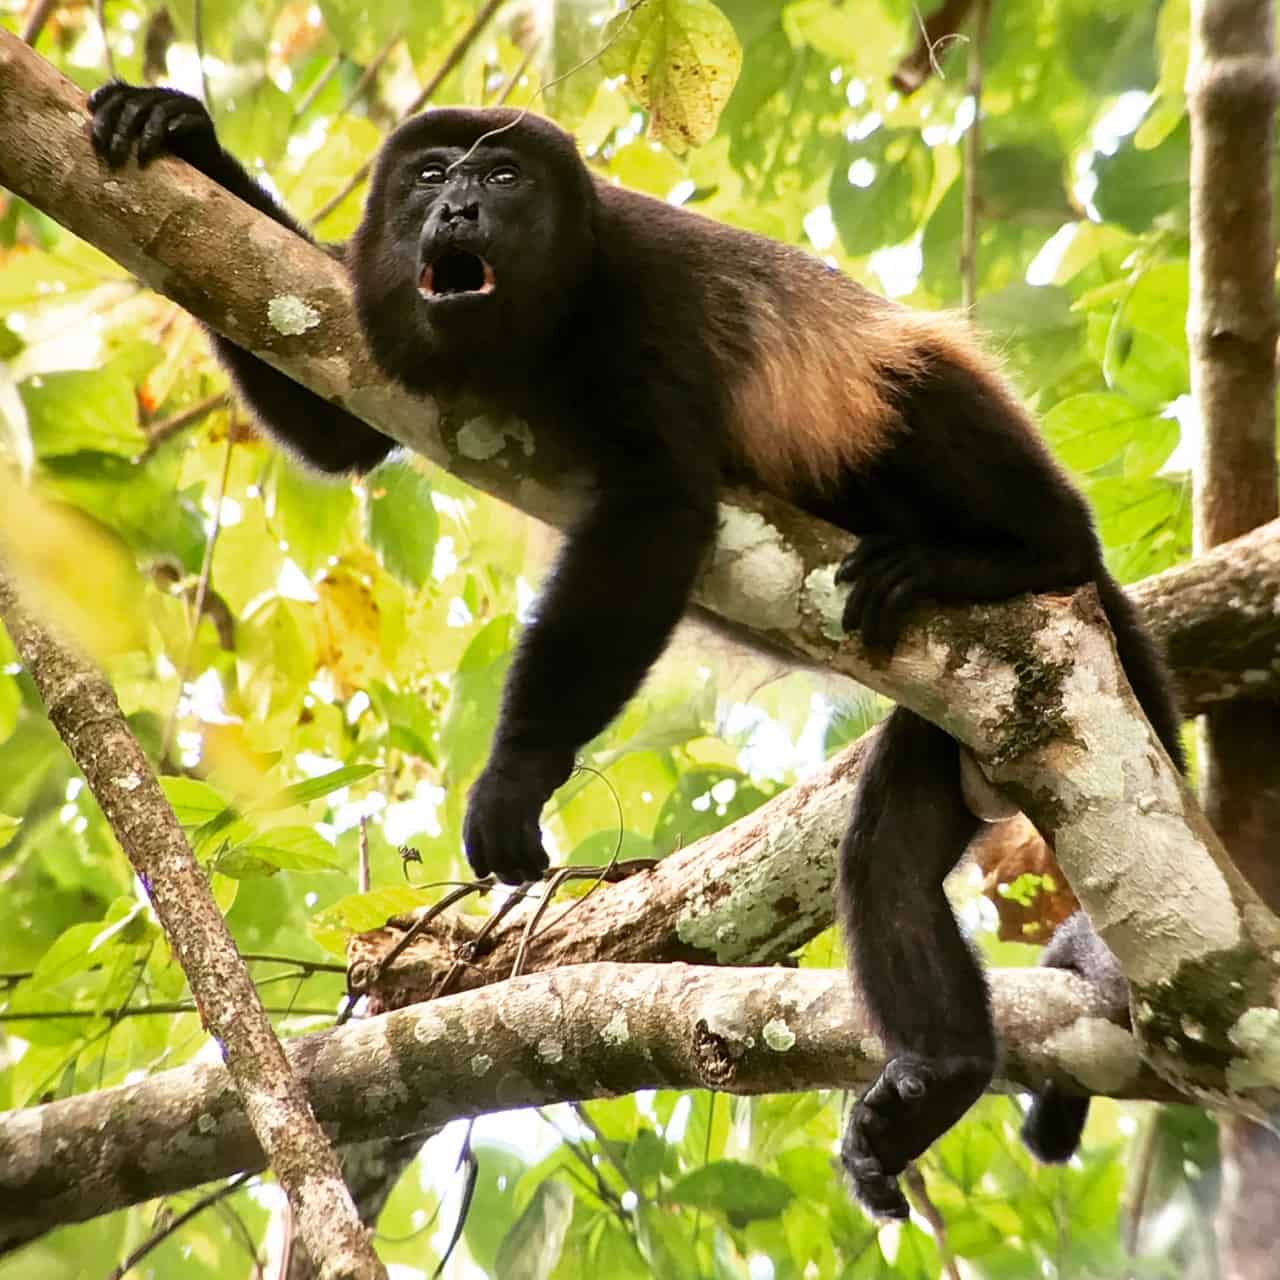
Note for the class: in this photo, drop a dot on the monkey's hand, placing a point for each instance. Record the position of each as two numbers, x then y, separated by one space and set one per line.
501 831
890 577
153 122
912 1102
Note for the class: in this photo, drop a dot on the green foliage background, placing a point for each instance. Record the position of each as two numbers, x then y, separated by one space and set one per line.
366 628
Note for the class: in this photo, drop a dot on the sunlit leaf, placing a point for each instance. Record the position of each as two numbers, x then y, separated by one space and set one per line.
681 58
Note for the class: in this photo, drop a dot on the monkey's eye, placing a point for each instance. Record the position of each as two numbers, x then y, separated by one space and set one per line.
503 176
432 175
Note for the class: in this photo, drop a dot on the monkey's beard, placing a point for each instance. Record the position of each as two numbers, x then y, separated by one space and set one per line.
456 273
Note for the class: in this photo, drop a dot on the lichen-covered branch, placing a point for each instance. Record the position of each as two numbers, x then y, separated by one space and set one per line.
84 710
1233 87
583 1031
1217 619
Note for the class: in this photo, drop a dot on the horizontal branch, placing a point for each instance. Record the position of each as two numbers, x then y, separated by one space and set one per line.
1217 619
579 1032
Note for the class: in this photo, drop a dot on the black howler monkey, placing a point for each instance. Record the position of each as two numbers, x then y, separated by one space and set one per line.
672 351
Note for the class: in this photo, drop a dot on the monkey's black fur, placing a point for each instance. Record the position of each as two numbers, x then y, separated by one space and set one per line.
671 351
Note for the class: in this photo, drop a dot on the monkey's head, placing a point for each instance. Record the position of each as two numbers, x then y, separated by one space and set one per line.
477 236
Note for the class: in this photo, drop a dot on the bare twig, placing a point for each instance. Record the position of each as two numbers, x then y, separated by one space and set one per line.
83 709
972 162
36 19
157 1238
933 33
452 58
202 590
159 432
369 74
304 103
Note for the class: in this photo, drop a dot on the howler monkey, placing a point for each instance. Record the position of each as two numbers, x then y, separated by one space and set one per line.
671 351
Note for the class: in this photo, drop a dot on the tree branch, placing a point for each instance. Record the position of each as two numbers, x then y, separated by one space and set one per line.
84 710
585 1031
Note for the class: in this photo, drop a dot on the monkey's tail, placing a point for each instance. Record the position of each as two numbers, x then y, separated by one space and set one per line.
1144 665
1053 1125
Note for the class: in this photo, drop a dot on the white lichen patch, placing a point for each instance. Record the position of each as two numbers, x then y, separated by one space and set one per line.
429 1028
754 577
291 315
824 597
481 1063
1256 1034
129 781
778 1036
1124 825
1101 1055
616 1031
482 438
738 916
551 1049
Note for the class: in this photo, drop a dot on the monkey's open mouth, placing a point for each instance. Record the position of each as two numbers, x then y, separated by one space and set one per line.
456 273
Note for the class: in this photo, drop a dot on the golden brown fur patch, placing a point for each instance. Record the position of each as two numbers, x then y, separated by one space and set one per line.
815 400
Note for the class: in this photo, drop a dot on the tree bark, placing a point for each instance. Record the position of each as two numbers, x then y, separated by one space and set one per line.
1233 85
83 709
577 1032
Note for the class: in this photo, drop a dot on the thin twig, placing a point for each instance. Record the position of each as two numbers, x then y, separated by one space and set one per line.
317 88
369 74
924 1202
517 75
202 590
939 29
972 161
159 432
100 11
452 58
143 1011
197 39
36 19
159 1237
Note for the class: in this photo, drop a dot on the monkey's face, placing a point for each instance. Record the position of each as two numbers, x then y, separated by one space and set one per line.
476 234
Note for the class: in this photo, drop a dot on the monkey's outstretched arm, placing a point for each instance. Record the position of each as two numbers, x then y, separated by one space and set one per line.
605 614
149 122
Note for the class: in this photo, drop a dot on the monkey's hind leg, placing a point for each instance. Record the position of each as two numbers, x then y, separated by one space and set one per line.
922 986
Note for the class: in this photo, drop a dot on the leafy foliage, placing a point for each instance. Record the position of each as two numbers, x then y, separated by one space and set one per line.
353 638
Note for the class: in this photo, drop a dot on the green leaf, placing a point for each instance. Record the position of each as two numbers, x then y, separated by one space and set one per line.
532 1247
195 802
402 522
362 27
703 801
92 410
740 1191
280 849
1131 510
493 1204
1135 188
411 725
314 788
681 59
1088 431
255 122
8 828
474 693
888 209
360 912
311 512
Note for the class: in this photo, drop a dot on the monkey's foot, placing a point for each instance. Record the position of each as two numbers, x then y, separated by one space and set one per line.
890 577
912 1102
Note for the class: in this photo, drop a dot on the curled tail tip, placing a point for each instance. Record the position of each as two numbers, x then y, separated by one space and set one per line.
1052 1127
